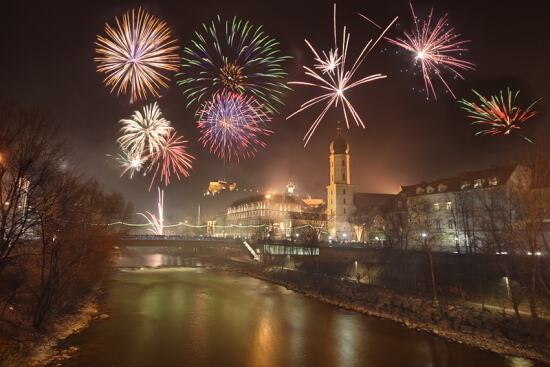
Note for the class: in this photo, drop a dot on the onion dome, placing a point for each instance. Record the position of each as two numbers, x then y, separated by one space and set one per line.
339 145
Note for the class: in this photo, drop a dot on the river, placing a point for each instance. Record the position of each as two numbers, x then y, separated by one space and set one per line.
204 317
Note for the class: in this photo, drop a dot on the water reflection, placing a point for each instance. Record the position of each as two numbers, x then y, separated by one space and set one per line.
199 317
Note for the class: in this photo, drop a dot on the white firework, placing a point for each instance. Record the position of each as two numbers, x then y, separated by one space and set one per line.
145 132
156 221
130 162
328 62
336 79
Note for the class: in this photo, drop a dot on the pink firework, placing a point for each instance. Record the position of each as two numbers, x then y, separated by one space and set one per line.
232 125
171 159
437 50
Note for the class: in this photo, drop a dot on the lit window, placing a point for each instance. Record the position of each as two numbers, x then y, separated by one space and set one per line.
493 181
449 205
436 206
478 183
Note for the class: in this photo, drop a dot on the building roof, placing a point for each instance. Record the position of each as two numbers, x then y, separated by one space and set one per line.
339 145
500 175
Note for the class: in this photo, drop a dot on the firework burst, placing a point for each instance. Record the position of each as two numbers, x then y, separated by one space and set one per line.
145 132
499 114
172 158
232 125
135 55
437 50
233 56
336 79
130 162
156 221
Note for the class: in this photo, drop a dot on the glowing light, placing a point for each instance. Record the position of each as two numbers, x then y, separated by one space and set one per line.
135 54
336 79
499 114
437 50
233 56
156 221
232 125
145 132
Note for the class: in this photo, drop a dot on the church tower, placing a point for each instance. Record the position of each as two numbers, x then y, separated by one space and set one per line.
339 190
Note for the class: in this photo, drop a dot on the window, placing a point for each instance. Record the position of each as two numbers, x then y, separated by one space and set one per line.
343 163
441 187
344 200
449 205
419 190
493 181
450 224
436 206
429 189
344 210
344 191
465 185
478 183
438 223
343 176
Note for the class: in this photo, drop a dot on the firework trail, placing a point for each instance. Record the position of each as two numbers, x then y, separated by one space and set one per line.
172 158
145 132
232 125
135 55
156 221
499 114
437 50
336 79
233 56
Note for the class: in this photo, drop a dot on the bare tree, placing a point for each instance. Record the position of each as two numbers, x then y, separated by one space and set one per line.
425 234
74 245
30 155
531 208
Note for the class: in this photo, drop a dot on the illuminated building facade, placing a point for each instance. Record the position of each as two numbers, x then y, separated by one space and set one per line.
454 214
274 216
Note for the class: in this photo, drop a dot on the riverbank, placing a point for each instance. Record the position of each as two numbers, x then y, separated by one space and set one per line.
481 329
29 347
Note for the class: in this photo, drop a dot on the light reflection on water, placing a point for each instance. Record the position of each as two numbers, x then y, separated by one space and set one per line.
200 317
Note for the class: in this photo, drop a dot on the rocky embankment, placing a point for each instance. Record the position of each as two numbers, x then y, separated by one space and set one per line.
483 329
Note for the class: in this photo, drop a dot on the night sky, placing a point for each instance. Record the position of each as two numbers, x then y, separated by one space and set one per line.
47 62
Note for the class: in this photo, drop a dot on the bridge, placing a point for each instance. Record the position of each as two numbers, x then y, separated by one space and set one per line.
211 245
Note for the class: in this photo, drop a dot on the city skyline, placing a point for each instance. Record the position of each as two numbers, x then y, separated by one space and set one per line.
407 139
